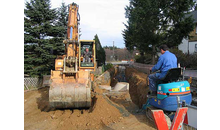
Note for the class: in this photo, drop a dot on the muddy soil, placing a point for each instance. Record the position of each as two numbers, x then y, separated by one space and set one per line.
108 112
37 113
138 88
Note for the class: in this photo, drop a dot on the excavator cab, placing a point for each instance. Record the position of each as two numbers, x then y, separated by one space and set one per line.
87 55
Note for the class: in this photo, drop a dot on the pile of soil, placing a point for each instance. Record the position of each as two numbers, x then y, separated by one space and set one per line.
109 111
38 114
138 88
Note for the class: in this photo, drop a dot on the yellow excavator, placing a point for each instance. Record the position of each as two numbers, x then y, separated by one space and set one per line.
70 82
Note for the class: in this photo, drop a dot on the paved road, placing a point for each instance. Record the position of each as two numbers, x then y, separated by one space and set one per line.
190 73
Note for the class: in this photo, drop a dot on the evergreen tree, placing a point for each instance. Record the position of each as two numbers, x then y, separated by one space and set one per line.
42 37
61 25
155 22
100 52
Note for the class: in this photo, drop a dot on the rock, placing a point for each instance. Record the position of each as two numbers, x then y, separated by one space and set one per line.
121 86
106 87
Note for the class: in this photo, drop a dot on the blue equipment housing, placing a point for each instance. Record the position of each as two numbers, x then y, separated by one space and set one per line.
168 91
167 95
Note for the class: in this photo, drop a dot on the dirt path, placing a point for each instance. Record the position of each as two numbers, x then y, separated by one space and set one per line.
107 113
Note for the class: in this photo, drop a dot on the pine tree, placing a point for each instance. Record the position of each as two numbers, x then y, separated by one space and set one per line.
61 25
42 37
155 22
100 52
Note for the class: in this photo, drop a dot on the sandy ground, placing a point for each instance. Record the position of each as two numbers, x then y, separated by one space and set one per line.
108 112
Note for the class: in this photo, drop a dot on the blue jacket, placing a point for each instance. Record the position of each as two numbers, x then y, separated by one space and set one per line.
166 61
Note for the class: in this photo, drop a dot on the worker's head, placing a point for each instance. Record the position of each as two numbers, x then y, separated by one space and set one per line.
163 49
87 49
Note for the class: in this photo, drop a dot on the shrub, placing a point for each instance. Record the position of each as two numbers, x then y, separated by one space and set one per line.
108 66
146 59
185 60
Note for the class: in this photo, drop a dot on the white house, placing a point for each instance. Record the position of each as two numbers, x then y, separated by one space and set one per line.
190 45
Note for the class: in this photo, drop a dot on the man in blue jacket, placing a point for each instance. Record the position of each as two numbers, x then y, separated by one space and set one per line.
165 62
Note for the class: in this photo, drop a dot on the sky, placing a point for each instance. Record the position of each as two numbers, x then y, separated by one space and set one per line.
102 17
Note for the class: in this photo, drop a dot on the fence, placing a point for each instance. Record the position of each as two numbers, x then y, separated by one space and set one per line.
30 82
35 83
145 68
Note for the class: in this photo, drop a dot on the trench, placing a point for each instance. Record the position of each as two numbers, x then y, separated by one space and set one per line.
119 93
136 93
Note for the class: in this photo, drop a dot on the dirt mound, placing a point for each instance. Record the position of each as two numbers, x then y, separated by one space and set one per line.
138 88
38 115
111 110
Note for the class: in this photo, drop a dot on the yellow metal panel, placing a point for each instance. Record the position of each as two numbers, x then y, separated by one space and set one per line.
58 64
175 90
56 75
187 88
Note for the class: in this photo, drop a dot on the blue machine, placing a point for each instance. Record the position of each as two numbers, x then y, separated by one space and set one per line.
169 90
167 95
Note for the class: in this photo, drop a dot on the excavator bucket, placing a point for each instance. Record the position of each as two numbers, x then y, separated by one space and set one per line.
70 93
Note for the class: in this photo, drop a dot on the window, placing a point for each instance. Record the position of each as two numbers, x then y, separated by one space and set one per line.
87 59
